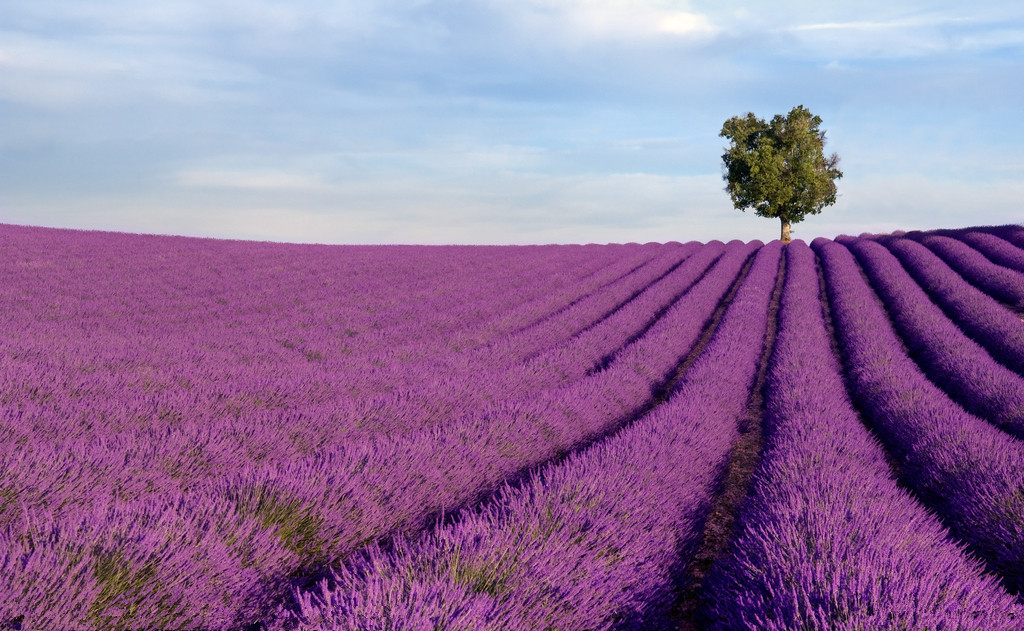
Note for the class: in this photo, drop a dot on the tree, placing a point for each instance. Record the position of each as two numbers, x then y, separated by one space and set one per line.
779 168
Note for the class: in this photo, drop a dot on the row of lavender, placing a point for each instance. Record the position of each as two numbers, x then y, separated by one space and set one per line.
207 537
585 543
827 538
224 329
164 521
815 551
806 559
961 465
69 357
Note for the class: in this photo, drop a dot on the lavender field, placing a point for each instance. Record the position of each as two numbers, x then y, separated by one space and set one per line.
203 434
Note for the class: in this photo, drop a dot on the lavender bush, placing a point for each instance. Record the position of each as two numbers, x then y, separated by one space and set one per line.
585 544
827 539
1013 234
317 494
960 465
978 315
222 435
997 250
952 360
1000 282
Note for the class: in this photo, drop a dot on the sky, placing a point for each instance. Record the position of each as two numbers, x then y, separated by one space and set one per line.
497 121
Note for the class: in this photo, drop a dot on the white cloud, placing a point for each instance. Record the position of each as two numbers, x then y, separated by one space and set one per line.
912 201
39 54
583 21
917 35
190 16
252 180
992 40
46 71
511 208
869 25
680 23
483 121
499 208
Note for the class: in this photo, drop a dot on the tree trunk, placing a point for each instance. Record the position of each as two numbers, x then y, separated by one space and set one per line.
785 231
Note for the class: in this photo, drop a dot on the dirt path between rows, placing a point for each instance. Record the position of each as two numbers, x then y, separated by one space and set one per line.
719 528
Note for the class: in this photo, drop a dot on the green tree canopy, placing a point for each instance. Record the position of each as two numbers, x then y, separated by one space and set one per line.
779 168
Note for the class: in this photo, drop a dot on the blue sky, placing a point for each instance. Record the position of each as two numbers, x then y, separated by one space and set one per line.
497 121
